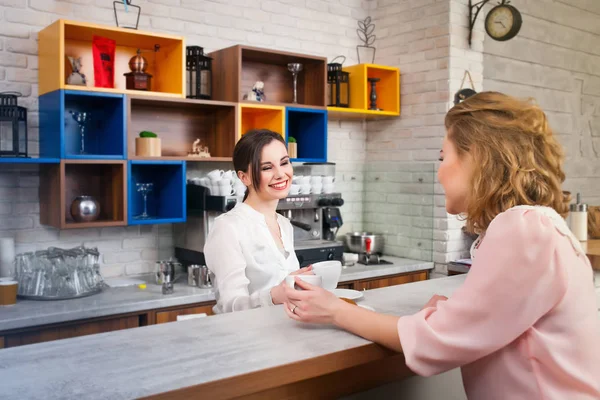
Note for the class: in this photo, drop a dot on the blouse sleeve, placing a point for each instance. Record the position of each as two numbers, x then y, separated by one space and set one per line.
515 280
225 258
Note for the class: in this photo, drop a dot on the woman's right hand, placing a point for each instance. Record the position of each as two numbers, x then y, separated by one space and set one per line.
278 295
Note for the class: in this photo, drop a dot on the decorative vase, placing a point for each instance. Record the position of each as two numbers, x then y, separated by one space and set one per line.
293 150
147 147
85 209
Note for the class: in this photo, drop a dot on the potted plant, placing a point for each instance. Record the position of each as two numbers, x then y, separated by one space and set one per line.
147 145
292 147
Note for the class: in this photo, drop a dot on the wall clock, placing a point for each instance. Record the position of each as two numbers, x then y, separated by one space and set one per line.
502 23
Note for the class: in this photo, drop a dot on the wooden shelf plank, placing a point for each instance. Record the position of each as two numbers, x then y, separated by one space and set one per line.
279 104
122 91
31 160
354 113
177 158
94 224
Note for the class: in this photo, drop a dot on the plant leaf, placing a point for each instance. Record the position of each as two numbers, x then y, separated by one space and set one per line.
362 36
367 20
370 40
370 29
362 26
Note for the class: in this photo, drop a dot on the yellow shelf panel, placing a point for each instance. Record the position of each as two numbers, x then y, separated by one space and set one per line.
388 88
121 91
353 113
261 116
69 38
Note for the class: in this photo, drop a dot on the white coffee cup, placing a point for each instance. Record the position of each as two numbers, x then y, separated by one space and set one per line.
214 190
328 188
224 182
294 189
239 189
205 182
316 180
314 280
304 180
215 175
297 179
327 180
316 188
329 271
228 175
226 191
305 189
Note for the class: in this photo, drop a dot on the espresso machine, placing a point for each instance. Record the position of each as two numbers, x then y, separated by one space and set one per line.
316 219
202 209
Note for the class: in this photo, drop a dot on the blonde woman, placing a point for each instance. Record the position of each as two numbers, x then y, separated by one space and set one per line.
525 324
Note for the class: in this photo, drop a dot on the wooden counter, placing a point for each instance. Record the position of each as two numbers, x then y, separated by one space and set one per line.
592 249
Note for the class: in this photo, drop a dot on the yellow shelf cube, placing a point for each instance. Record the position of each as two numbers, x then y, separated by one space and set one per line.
259 116
388 92
66 38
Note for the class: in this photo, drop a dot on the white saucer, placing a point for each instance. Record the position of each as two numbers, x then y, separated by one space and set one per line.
366 307
348 293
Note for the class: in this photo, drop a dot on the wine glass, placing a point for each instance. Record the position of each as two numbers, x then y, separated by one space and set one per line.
295 68
144 189
82 119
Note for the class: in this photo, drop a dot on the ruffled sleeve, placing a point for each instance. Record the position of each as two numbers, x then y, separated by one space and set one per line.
515 280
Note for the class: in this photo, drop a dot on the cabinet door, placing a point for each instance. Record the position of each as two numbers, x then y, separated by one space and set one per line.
1 342
171 316
69 331
390 281
347 285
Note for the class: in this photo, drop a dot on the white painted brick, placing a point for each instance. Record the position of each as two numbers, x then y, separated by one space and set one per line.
139 243
165 24
22 75
111 271
275 7
120 231
142 267
14 3
27 17
52 6
79 234
10 223
14 30
104 246
13 60
121 257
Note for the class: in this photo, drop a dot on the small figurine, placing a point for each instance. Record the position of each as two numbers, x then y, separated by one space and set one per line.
198 150
76 77
257 93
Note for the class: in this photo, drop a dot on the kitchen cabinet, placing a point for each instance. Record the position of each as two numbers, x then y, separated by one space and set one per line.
69 330
171 315
384 281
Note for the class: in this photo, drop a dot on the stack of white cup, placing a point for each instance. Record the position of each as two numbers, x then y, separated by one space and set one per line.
221 183
315 184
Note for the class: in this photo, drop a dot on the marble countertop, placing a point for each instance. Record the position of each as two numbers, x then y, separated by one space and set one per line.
113 301
398 266
154 359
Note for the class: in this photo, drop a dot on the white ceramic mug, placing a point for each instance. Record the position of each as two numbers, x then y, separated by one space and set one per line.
216 174
224 182
297 179
205 182
228 174
327 180
316 180
304 180
214 190
316 188
304 189
329 271
314 280
226 191
328 188
294 189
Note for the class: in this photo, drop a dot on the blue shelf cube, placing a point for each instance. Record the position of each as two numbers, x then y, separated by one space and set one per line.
104 136
309 128
166 203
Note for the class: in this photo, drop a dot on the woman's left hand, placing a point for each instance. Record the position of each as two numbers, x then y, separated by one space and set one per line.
313 304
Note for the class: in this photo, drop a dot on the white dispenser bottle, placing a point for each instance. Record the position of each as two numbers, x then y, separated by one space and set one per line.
578 219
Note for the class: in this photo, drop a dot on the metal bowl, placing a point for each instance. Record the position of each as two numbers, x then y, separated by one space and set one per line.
356 242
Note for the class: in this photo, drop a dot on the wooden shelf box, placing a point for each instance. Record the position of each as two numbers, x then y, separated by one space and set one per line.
178 122
309 128
236 69
104 134
61 183
260 116
388 92
65 38
167 201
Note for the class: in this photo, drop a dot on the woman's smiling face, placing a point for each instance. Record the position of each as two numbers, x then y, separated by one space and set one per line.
276 172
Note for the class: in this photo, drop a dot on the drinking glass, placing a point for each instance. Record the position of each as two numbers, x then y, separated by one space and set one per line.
295 68
144 189
82 119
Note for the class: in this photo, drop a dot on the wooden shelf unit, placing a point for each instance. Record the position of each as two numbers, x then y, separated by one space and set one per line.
261 116
388 93
61 183
236 69
71 38
178 122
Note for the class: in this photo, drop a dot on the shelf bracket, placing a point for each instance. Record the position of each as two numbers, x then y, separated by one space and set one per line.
473 15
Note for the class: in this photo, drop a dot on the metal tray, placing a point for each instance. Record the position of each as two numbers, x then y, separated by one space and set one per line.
47 298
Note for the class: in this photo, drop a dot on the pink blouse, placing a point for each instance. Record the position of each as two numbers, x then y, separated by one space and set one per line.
524 325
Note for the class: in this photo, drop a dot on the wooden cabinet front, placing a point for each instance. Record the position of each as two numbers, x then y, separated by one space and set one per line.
390 281
70 330
171 315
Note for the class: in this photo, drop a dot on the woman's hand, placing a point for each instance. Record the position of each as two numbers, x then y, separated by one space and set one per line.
278 295
313 304
434 300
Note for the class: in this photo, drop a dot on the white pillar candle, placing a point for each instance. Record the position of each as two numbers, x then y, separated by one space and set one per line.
7 256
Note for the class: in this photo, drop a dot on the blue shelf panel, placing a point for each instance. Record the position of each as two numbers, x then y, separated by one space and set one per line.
104 136
167 201
309 128
32 160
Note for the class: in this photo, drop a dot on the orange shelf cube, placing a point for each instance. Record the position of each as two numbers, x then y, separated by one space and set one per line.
70 38
259 116
388 92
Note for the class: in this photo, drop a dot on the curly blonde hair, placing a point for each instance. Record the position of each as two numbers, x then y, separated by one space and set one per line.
516 158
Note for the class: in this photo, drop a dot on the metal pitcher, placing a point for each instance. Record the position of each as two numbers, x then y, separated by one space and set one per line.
204 278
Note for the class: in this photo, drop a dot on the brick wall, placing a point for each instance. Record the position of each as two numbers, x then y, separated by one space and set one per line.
556 59
324 28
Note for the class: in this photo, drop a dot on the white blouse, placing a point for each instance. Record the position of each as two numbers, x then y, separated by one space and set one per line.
245 259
